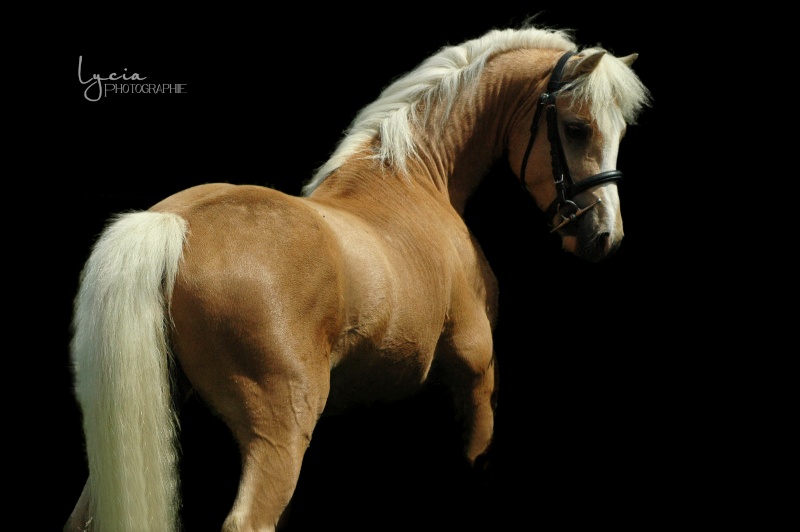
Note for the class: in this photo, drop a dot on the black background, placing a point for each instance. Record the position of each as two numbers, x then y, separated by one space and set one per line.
600 420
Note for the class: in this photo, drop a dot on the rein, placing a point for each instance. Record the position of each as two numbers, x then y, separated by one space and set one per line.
566 187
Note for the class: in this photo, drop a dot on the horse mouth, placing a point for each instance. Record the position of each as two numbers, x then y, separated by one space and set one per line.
591 246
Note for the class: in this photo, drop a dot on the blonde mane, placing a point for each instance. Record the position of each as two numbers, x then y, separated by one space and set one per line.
440 78
613 92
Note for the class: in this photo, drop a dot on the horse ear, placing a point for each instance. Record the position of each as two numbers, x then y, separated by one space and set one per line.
629 59
584 65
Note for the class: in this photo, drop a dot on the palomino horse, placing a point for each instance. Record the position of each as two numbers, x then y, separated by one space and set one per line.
276 309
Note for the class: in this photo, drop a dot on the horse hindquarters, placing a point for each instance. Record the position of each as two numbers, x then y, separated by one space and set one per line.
254 319
120 356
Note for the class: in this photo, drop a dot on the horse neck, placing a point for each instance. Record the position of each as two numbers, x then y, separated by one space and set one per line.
454 154
459 153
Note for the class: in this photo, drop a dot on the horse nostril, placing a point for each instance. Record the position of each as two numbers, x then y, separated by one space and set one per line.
607 244
604 242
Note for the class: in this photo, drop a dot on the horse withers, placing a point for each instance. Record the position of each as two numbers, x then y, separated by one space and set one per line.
277 309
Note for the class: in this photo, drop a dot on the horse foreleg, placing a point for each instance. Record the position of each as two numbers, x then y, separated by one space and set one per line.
469 369
477 408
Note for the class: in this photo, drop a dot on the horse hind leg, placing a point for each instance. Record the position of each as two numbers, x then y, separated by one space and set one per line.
80 519
271 403
273 431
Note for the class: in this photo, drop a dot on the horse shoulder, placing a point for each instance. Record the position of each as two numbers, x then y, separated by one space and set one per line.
475 284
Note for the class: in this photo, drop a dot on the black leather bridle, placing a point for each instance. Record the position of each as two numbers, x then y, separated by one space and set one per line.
566 187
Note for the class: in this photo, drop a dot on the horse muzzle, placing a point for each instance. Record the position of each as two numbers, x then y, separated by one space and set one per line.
586 228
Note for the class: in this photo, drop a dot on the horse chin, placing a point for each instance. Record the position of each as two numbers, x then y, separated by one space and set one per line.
593 246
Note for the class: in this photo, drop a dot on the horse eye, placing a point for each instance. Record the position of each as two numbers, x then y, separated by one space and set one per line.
576 131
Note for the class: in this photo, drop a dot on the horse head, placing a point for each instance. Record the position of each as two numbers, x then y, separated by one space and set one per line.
579 119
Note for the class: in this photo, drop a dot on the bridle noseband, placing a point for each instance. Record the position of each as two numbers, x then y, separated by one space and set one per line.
566 187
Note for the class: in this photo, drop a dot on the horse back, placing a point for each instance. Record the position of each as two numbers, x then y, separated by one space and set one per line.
271 281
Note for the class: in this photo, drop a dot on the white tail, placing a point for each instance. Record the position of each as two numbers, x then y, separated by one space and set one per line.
121 361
